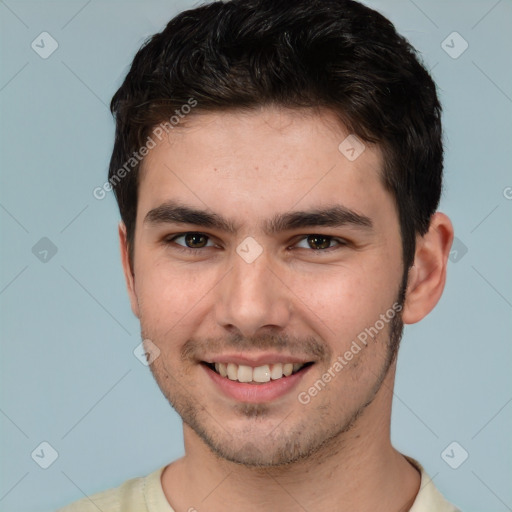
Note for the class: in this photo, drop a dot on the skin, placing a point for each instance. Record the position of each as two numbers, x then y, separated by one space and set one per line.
333 453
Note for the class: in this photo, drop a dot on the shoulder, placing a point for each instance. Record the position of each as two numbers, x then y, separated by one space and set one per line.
429 499
128 497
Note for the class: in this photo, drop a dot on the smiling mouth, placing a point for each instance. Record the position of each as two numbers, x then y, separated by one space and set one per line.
256 375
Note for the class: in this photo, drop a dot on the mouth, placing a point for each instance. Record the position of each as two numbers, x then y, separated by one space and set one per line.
256 375
259 374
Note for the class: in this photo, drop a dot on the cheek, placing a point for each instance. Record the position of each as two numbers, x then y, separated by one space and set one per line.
171 297
341 305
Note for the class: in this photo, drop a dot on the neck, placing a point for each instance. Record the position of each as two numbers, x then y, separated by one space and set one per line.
357 470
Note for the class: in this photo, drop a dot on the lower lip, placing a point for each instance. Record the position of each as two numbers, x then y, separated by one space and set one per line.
256 393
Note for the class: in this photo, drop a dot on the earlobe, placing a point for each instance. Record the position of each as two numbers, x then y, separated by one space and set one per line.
427 277
127 269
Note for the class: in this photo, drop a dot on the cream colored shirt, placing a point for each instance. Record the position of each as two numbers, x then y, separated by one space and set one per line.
145 494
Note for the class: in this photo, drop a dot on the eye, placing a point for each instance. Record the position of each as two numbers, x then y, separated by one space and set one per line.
320 242
192 240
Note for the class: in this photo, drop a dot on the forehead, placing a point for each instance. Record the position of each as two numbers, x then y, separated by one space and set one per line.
266 160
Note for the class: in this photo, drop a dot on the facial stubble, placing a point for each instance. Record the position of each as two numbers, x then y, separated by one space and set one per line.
286 443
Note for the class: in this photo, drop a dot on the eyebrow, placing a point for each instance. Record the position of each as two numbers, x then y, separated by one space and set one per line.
331 216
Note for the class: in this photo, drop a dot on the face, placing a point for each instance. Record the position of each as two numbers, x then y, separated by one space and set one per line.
260 250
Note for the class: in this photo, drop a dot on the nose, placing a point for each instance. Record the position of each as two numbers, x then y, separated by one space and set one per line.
252 297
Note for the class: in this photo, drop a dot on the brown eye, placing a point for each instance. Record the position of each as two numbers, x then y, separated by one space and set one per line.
195 240
319 241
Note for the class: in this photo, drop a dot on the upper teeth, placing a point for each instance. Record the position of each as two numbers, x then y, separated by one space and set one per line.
243 373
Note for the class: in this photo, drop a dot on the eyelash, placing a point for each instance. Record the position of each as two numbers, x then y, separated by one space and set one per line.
194 251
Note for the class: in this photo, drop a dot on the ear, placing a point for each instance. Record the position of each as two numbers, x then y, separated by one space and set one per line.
427 276
128 274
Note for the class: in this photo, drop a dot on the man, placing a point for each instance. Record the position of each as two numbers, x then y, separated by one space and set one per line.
278 167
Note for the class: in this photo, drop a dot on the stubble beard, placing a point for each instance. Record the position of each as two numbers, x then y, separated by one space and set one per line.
307 439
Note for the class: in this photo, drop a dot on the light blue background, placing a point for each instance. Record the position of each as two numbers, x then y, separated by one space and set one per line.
68 373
